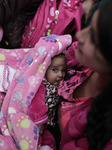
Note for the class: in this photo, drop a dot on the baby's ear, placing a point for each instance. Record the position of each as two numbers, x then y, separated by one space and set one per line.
1 33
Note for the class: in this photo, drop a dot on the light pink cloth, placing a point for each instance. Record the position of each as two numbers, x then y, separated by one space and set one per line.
30 65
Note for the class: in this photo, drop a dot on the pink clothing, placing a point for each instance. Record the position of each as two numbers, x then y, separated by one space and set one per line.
38 113
38 109
76 74
67 108
16 126
53 17
74 134
74 137
43 106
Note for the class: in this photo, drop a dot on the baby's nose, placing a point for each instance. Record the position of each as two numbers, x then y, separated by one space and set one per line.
60 74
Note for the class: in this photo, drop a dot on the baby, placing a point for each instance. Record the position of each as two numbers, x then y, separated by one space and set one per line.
54 74
43 107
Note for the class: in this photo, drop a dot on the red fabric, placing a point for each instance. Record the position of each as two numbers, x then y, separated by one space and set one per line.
37 109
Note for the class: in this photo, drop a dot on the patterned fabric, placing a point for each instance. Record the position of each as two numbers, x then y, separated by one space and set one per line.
51 101
57 17
74 77
16 126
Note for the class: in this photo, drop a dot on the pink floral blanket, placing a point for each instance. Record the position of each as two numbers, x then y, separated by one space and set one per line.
23 71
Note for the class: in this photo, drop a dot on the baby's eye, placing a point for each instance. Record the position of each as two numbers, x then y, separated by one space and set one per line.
54 69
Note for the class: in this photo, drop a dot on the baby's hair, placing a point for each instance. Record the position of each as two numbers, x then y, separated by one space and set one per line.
59 55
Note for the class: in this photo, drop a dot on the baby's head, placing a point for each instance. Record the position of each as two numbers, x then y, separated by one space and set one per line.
57 69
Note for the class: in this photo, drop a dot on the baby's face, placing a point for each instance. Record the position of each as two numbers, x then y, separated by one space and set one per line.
56 71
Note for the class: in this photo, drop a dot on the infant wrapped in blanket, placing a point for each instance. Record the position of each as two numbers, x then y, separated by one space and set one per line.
21 74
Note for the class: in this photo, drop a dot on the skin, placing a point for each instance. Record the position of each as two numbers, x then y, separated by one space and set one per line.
89 55
88 52
87 6
56 71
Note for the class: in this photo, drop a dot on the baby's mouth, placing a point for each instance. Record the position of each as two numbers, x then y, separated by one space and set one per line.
57 83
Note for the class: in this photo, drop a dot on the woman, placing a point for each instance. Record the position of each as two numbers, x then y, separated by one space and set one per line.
94 52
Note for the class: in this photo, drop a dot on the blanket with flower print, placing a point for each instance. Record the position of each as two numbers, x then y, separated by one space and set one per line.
28 67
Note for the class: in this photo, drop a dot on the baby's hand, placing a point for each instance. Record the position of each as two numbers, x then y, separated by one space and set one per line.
41 128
